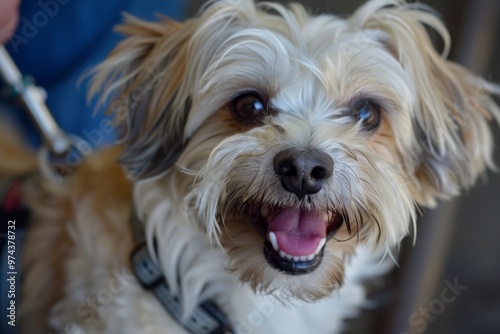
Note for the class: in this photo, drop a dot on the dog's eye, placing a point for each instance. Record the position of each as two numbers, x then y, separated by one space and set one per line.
249 108
368 113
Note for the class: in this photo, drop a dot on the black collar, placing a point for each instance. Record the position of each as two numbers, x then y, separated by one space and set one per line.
207 318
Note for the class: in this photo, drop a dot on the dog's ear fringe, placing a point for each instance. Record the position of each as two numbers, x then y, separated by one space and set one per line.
454 142
142 81
150 86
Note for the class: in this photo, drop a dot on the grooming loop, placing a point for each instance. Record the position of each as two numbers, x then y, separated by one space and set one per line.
61 153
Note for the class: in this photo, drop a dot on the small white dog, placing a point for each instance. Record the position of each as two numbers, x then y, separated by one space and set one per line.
274 160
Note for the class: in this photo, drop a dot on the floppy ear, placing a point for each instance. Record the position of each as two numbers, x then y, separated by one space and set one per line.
153 77
453 143
145 78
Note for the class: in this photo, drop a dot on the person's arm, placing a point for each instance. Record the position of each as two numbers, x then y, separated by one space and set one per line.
9 16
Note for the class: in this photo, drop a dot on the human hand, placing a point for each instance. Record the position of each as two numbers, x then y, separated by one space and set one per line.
9 16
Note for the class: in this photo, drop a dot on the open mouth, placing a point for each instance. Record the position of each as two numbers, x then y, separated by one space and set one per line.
295 238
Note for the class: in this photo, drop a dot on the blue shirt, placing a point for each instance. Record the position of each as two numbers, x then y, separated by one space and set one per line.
57 41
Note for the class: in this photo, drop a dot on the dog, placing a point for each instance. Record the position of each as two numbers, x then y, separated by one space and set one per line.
274 161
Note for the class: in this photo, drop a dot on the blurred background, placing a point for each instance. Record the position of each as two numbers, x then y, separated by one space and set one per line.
457 253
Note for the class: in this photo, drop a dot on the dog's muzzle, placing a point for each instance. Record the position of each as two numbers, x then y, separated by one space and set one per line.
295 237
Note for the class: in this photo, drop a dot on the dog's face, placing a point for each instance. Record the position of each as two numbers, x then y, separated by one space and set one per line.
297 138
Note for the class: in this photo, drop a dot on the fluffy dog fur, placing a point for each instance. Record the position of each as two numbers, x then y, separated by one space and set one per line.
402 125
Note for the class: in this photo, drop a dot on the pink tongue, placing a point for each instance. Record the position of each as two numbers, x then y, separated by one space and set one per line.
298 232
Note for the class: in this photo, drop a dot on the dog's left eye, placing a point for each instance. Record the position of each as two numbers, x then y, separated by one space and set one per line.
249 108
368 113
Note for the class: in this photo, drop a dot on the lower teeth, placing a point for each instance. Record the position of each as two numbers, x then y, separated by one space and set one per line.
289 257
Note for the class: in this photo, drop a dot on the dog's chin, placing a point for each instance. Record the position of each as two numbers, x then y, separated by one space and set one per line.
294 238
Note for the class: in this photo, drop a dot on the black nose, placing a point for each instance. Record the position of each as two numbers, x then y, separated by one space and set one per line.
303 172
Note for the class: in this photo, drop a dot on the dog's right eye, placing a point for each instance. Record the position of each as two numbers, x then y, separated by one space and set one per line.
249 108
368 113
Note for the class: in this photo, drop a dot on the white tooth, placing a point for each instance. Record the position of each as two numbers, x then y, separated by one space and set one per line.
303 258
296 258
320 245
289 257
311 256
282 254
274 241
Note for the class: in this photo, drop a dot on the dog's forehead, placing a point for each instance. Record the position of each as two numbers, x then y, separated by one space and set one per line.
313 63
315 67
353 66
272 47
